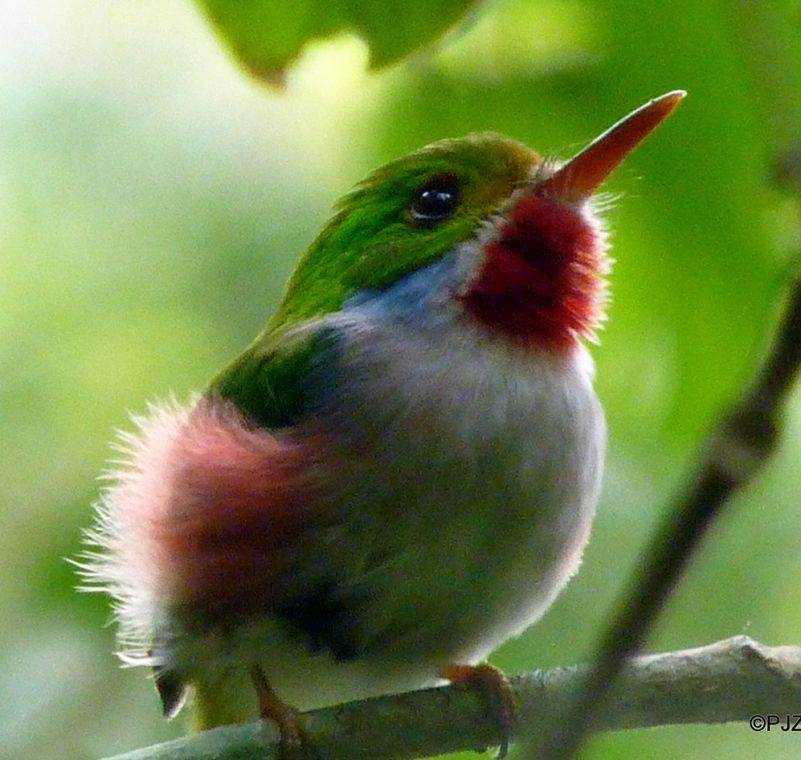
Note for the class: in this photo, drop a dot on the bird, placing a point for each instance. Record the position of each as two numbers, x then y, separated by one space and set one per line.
401 471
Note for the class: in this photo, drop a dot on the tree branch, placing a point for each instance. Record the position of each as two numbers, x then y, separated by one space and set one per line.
730 680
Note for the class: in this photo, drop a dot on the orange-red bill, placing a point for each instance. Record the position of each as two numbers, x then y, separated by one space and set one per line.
585 173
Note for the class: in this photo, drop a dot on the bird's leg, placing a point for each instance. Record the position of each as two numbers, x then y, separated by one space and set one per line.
284 716
494 684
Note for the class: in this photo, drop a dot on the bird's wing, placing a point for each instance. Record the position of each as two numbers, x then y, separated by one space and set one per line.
270 382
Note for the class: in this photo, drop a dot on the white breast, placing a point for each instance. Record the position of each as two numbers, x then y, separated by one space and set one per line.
484 472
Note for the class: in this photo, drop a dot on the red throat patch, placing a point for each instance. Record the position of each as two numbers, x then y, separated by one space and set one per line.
541 281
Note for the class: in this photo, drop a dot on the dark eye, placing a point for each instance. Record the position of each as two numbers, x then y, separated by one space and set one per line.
438 200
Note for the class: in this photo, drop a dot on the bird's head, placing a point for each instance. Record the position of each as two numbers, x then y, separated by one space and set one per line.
534 250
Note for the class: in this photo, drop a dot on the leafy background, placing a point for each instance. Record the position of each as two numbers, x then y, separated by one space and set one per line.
153 198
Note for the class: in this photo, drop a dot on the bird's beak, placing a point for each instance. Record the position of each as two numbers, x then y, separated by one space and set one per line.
585 173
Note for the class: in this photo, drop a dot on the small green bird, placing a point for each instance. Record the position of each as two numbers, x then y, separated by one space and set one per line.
400 473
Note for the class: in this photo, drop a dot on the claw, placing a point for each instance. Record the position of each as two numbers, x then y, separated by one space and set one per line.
285 717
495 686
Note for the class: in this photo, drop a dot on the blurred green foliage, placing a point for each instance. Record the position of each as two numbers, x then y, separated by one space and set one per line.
268 36
153 200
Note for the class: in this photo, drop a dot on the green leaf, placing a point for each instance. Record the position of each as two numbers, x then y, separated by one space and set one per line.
267 36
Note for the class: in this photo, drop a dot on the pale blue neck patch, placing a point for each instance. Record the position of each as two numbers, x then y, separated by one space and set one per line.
415 299
419 303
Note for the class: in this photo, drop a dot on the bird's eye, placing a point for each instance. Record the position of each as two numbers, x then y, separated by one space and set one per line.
438 200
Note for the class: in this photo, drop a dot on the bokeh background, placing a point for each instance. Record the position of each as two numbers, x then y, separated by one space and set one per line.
153 199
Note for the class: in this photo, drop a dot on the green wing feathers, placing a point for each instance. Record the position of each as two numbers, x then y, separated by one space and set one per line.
266 381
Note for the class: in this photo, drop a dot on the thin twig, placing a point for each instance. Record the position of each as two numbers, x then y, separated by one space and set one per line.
744 439
736 451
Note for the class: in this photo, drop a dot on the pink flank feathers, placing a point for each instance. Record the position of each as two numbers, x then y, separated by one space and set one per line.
203 512
241 500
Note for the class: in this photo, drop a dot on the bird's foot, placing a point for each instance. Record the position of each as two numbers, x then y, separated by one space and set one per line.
494 684
285 717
